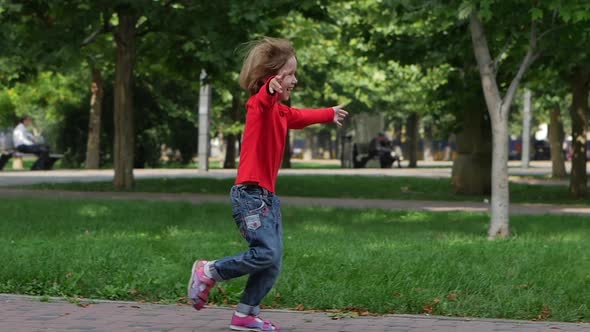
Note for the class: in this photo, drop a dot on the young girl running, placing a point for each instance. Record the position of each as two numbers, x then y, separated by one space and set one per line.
268 73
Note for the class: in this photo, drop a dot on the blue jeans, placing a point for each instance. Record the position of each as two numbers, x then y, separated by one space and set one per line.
257 213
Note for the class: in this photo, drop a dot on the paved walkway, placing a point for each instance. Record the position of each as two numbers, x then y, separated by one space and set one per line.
24 313
425 170
386 204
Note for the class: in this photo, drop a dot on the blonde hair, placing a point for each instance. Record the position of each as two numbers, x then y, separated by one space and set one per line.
265 57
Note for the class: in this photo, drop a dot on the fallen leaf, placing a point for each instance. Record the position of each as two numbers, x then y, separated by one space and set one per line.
222 291
428 308
300 307
83 305
333 310
545 313
452 296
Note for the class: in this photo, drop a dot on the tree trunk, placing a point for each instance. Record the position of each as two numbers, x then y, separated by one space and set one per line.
230 150
308 149
526 129
428 154
204 122
472 168
556 136
448 149
412 139
93 143
125 37
579 115
498 108
286 163
287 153
500 186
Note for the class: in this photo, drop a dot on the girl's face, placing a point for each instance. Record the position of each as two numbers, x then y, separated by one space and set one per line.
288 78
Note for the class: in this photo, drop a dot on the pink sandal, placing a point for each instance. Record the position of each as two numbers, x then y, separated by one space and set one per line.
199 285
252 323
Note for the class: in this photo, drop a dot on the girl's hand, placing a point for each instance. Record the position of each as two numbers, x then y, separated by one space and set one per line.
275 84
339 114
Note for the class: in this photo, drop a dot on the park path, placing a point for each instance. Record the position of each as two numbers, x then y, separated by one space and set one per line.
354 203
439 169
29 314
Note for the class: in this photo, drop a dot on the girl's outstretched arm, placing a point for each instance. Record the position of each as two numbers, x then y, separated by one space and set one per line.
301 118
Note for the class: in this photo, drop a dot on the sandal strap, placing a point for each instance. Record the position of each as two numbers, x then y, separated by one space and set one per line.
270 326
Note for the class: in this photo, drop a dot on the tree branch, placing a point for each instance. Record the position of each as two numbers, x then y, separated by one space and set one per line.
147 27
549 31
106 27
484 63
496 64
530 57
92 36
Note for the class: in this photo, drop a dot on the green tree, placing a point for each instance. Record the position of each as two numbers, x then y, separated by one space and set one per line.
498 103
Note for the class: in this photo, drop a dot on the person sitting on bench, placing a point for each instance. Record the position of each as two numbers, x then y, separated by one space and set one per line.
25 142
380 147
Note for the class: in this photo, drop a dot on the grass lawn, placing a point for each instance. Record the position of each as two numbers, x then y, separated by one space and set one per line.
412 262
405 188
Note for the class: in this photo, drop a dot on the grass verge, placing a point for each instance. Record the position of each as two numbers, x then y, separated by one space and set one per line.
340 186
358 260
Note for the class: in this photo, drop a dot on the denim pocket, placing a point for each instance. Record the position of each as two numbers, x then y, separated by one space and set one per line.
252 201
252 222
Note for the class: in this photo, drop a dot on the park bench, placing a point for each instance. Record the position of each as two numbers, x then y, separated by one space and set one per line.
361 151
8 151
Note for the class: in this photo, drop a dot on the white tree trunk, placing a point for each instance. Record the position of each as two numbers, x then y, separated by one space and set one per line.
526 129
500 204
498 108
204 119
309 146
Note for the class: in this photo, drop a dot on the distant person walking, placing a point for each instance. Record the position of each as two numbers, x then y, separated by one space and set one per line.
26 142
268 74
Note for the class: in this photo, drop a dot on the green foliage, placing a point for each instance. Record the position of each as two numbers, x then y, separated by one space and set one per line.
392 57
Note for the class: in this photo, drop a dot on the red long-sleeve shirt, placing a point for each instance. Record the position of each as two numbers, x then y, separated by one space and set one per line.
263 143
